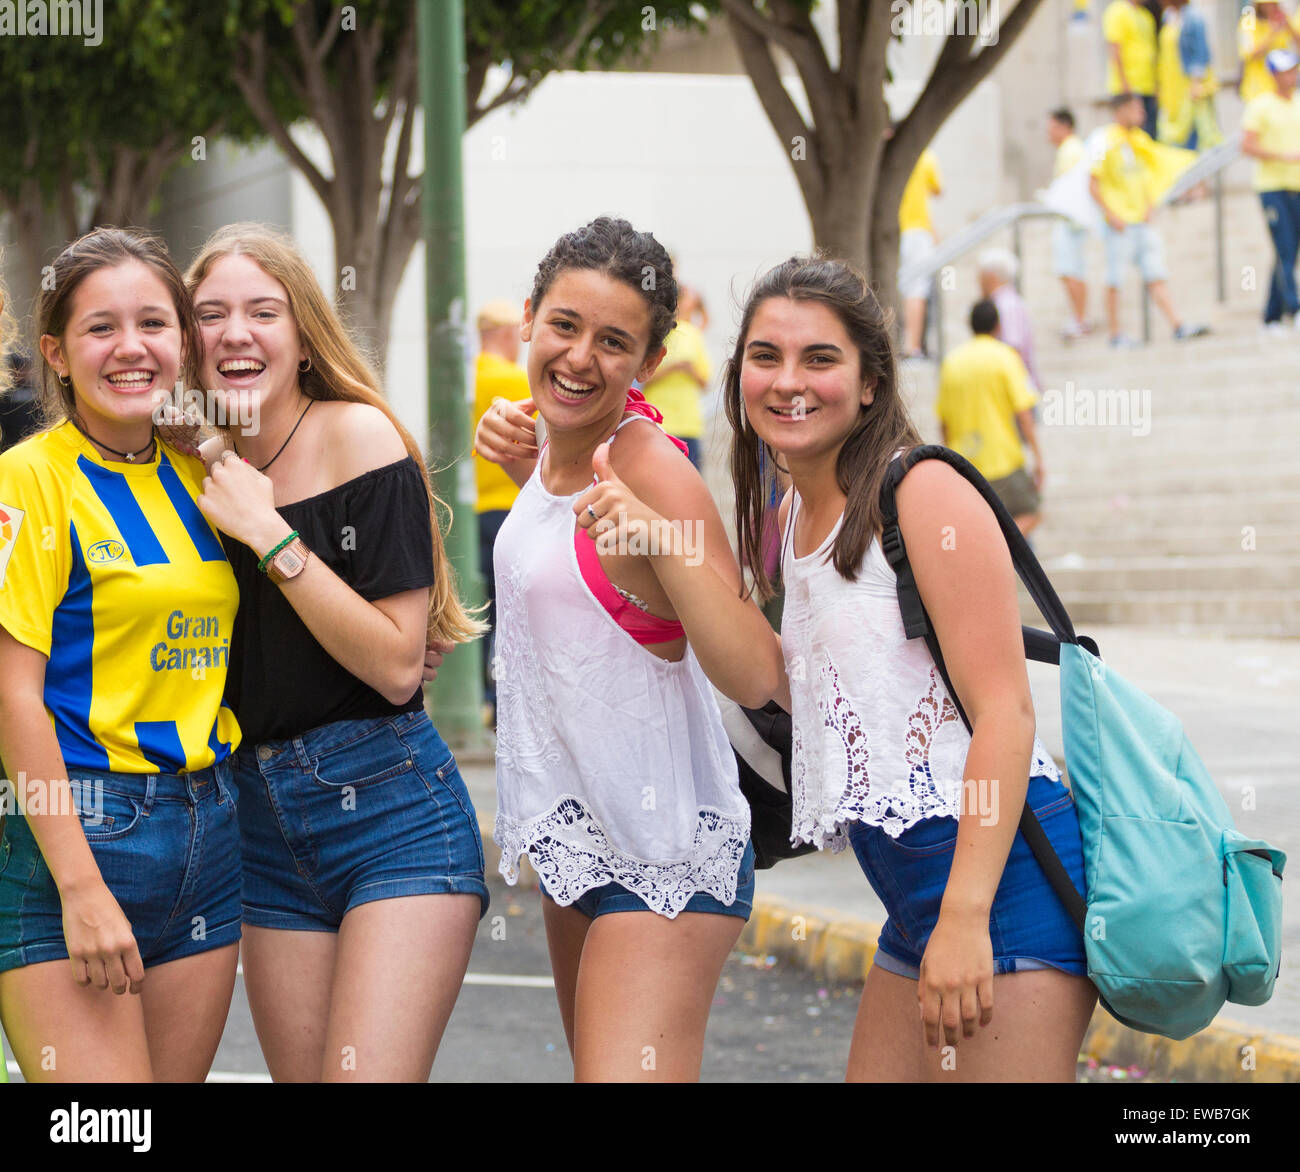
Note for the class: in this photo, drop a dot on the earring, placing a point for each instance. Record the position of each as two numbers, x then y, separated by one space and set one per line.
304 369
65 380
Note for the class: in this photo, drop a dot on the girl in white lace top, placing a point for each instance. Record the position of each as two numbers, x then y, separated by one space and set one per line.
881 756
614 773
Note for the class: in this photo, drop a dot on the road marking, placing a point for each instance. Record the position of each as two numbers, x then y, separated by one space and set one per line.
509 981
500 980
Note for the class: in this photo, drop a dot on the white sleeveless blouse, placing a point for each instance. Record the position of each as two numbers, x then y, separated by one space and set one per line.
877 738
612 764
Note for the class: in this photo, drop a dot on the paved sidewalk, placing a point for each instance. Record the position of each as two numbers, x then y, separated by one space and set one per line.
1239 700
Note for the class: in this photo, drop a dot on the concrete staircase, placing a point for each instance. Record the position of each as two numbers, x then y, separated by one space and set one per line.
1181 508
1178 503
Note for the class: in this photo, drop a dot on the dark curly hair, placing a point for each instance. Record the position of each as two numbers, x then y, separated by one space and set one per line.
618 250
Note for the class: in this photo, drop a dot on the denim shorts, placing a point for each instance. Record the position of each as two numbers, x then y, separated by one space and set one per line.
167 846
1028 925
614 897
1138 244
351 812
1068 244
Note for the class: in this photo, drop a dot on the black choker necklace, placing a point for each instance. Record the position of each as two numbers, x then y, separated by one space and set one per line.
129 457
284 445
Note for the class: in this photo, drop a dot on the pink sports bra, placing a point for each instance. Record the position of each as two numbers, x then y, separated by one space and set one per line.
625 608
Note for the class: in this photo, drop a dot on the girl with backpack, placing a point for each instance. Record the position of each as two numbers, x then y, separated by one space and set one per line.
614 773
881 758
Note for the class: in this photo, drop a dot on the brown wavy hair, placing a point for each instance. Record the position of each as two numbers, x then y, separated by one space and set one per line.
883 425
99 249
338 372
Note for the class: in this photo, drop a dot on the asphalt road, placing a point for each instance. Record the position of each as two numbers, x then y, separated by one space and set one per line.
770 1022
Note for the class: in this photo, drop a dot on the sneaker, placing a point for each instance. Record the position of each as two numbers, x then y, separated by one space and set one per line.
1183 332
1273 328
1072 329
1123 342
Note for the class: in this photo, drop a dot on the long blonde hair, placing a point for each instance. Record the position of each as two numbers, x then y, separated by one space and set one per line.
338 372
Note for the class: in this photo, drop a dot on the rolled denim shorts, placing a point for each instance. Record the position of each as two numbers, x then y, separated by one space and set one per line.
351 812
1028 925
167 846
614 897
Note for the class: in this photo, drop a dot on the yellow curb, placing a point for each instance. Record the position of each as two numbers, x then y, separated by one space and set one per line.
1222 1052
841 951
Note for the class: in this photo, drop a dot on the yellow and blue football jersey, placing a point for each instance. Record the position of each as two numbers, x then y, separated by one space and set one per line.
111 571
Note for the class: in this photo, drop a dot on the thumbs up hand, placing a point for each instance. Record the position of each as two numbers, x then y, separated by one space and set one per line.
609 503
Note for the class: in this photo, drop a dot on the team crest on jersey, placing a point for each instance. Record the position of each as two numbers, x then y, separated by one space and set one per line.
104 551
11 520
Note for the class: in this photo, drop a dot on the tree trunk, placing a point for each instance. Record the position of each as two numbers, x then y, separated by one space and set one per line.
839 219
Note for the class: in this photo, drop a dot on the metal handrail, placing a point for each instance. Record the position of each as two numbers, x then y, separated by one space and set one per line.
1209 165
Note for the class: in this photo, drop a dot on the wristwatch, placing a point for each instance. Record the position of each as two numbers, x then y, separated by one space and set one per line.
288 562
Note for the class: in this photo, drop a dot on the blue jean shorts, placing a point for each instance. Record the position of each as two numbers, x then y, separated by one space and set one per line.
1028 925
1138 244
167 846
351 812
1068 244
614 897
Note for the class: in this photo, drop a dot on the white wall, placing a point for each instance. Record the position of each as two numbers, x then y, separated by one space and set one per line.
691 158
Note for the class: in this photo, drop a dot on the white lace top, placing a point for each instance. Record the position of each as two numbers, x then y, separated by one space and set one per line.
876 737
612 764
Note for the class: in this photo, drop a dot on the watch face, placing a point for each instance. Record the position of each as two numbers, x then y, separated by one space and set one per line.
288 562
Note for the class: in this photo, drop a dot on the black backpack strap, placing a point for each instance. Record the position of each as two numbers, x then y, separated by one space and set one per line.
1043 646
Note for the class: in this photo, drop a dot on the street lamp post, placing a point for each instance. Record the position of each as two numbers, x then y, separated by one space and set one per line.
456 695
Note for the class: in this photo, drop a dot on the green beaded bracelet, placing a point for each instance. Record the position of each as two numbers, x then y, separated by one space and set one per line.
274 550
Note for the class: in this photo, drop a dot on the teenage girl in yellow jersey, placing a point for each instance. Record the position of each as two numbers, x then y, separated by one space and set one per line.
119 861
363 868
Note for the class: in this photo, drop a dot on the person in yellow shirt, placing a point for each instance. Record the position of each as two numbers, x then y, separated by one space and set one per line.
916 242
1132 172
1130 32
497 375
1069 238
1185 81
985 408
1263 29
683 376
1271 134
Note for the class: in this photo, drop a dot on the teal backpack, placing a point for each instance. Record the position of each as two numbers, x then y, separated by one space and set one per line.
1181 912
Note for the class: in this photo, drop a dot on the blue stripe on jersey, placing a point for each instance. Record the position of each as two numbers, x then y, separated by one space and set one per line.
160 744
69 675
220 748
117 497
208 546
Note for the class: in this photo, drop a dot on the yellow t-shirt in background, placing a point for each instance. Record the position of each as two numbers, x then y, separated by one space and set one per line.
1277 123
1252 33
1068 155
924 181
677 394
983 386
1173 86
1133 29
1135 171
494 377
